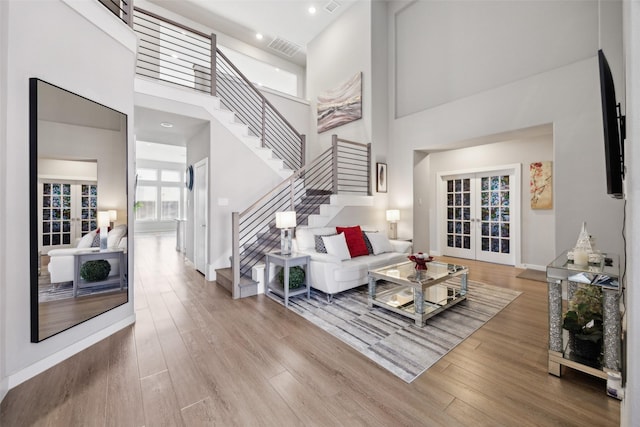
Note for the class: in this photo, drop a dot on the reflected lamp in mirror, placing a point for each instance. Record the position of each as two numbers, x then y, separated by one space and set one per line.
393 216
103 224
113 217
285 221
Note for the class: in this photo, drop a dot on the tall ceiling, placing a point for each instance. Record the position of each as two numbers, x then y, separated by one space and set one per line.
287 20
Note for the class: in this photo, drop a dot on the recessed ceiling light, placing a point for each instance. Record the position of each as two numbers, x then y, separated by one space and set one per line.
166 125
312 10
259 36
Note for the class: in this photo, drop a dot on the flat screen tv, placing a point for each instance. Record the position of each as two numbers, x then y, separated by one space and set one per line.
614 130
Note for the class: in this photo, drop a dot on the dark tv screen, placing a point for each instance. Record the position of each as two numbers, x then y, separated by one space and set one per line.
613 143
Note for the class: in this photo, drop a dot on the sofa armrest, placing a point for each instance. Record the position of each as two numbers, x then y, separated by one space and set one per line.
401 246
69 251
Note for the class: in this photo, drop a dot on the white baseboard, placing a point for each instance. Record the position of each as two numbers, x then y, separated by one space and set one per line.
534 267
4 388
50 361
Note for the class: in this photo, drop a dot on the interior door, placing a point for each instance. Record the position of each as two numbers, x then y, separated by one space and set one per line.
200 190
481 217
67 211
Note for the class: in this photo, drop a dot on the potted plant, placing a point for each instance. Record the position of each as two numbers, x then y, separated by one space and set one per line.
296 277
583 320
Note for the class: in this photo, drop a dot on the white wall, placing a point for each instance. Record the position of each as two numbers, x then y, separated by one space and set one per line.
295 110
567 96
70 142
538 228
105 75
631 403
333 57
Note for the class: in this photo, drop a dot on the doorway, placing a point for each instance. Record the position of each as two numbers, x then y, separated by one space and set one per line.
201 223
481 214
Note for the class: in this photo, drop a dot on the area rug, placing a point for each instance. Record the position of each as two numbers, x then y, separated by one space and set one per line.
393 341
537 275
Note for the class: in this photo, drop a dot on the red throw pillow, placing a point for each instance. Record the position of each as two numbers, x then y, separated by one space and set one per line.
355 241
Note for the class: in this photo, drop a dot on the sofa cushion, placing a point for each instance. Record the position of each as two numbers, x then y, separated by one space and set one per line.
305 236
115 235
87 240
320 248
380 243
367 242
337 246
355 241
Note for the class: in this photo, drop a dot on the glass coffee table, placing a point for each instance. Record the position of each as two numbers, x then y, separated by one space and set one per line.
418 298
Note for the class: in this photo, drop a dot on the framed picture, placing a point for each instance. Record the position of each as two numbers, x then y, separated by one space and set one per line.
341 105
541 185
381 177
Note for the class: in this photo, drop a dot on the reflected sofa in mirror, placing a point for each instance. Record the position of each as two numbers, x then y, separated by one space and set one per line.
78 209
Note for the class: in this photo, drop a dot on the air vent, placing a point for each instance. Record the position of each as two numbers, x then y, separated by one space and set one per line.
284 47
331 6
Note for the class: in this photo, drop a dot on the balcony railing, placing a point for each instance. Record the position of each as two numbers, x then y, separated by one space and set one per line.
174 53
120 8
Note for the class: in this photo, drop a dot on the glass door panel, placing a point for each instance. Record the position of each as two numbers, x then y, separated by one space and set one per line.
495 220
459 209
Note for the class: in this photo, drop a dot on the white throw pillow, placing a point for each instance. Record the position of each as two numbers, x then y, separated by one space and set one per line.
380 243
86 240
114 236
337 246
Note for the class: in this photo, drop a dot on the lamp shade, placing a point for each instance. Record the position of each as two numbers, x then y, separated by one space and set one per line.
286 219
103 218
393 215
113 215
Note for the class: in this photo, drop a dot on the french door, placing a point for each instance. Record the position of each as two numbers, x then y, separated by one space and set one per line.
67 210
481 215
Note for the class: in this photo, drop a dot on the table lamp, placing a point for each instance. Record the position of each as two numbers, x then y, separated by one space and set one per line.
103 223
113 216
285 221
393 216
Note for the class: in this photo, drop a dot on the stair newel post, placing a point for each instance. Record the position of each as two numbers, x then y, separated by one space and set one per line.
235 254
334 163
214 73
264 120
369 181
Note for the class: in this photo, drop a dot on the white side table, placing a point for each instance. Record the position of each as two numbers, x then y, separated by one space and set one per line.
286 262
84 256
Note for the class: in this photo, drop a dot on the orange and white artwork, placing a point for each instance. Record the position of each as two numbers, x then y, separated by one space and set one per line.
540 185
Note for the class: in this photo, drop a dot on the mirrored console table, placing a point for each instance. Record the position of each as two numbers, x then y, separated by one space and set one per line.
564 278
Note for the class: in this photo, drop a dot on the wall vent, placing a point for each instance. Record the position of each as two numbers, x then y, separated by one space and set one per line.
331 6
284 47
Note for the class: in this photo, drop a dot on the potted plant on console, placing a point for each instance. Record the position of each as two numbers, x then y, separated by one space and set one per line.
583 320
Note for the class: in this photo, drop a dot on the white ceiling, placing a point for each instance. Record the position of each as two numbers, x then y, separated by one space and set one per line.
286 19
147 126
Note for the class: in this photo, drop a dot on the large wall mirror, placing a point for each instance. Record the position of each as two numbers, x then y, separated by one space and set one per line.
78 208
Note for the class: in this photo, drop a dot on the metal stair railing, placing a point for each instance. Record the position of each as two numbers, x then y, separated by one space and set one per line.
173 53
343 168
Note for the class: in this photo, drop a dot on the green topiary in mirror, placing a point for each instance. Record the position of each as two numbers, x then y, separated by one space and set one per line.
296 277
93 271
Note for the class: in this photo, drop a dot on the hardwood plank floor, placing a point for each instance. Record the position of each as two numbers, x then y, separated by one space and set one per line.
195 357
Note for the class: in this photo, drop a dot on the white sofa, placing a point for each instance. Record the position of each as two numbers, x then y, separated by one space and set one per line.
330 274
61 262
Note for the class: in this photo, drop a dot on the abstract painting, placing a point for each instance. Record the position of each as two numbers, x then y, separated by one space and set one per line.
381 177
341 105
540 185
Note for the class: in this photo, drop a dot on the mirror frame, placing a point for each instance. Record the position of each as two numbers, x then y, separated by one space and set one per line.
33 207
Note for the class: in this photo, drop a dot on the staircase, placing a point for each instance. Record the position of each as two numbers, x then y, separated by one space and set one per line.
183 57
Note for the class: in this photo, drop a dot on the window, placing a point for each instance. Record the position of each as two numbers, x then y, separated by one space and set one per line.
147 174
146 199
170 176
170 202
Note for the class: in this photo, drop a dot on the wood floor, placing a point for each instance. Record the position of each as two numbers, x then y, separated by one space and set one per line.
197 358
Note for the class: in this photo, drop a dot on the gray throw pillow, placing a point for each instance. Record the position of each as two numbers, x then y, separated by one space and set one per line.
367 242
320 248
